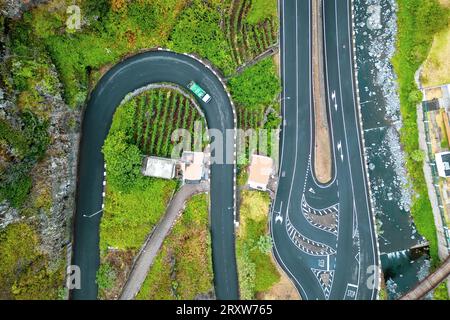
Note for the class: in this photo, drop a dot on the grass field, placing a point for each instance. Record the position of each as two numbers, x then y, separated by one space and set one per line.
183 267
129 217
127 220
257 273
436 69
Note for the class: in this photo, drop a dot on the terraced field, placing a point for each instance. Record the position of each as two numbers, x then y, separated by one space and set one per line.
158 113
248 40
248 118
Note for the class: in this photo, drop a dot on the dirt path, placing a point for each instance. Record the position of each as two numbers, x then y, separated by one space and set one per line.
282 290
153 243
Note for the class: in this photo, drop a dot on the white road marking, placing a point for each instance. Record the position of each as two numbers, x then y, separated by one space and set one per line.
92 215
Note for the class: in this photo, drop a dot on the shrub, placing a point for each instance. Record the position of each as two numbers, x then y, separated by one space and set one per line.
264 244
198 31
123 161
105 277
257 86
418 156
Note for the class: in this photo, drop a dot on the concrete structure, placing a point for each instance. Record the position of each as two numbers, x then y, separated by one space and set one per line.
443 164
192 166
159 168
261 169
429 283
440 94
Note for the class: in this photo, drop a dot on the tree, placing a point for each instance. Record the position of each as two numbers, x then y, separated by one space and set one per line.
123 161
273 121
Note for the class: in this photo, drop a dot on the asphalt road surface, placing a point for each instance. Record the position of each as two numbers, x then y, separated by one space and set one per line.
324 237
125 77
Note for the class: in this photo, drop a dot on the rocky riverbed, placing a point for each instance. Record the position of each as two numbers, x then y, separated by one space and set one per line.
376 30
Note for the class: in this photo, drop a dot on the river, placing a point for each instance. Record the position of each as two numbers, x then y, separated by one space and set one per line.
376 31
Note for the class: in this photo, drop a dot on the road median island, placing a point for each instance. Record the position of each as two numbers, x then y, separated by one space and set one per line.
322 147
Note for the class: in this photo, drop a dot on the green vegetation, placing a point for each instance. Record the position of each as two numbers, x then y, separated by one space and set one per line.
436 67
25 272
113 29
441 293
134 204
254 91
383 294
156 114
418 21
183 267
257 86
109 31
26 76
198 30
106 277
257 272
123 161
143 125
30 144
129 216
261 10
128 205
251 27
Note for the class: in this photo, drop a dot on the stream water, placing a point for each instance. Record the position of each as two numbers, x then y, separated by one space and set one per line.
376 31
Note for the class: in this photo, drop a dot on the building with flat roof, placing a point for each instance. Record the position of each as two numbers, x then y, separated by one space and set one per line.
159 168
443 164
261 169
192 166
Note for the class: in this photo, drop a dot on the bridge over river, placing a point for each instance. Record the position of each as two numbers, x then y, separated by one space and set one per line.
430 282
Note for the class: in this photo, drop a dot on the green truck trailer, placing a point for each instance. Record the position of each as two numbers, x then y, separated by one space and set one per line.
199 92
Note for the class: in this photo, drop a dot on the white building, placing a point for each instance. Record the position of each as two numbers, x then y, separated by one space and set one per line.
443 164
261 169
159 168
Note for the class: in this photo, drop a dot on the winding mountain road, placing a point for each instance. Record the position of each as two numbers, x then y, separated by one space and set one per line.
324 235
128 76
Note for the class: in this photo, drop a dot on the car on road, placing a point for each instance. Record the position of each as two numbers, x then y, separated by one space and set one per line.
199 92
